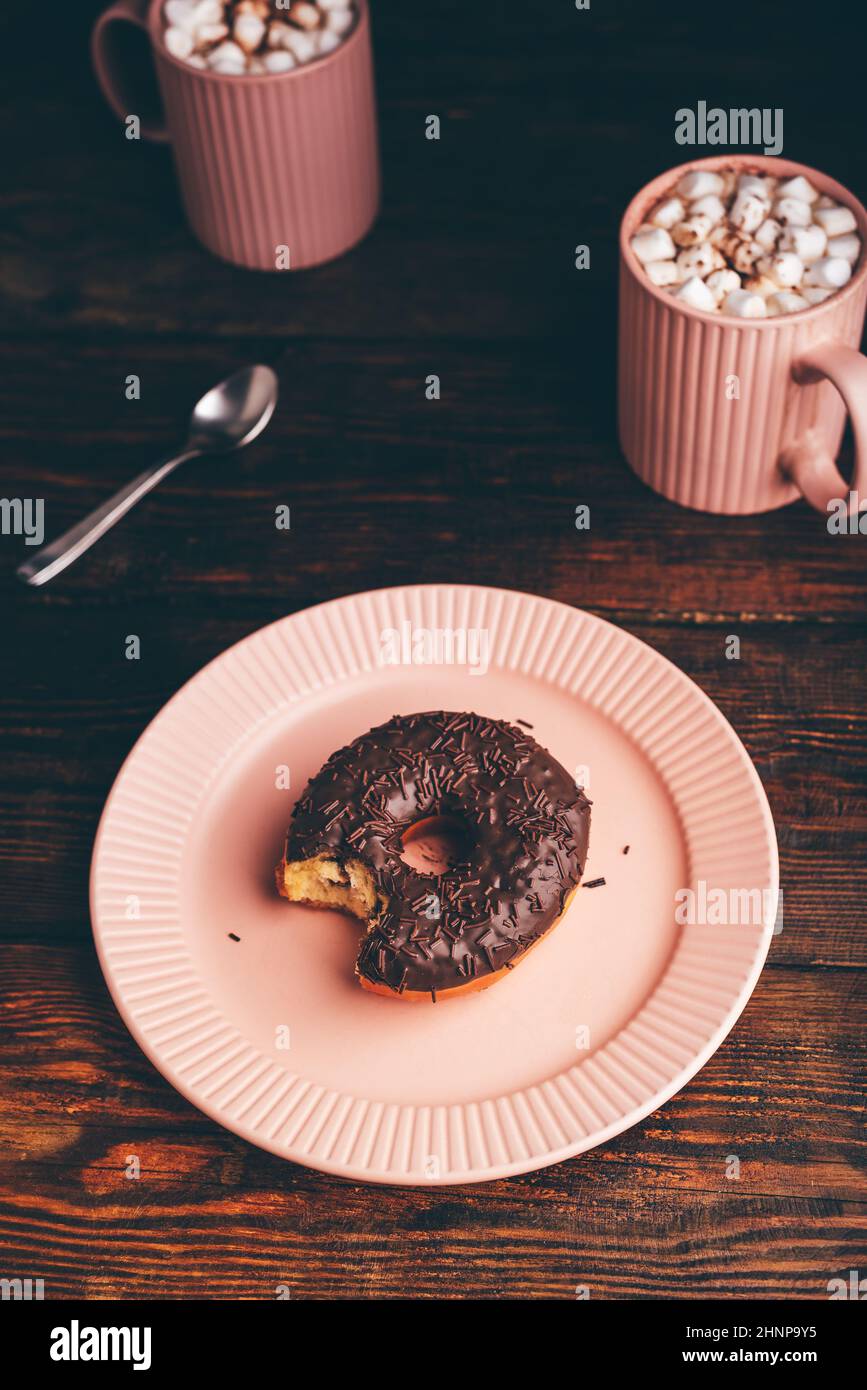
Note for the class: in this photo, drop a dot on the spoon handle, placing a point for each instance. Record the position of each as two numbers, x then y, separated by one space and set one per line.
55 556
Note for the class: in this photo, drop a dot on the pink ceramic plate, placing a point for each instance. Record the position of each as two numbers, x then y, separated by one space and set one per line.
271 1036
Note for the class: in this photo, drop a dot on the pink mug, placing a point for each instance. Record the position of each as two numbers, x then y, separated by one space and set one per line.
682 428
283 160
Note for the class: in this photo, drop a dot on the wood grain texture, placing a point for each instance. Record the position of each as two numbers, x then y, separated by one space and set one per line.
630 1219
548 128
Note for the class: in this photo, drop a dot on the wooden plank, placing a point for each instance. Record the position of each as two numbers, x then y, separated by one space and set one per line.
549 127
213 1217
386 486
75 706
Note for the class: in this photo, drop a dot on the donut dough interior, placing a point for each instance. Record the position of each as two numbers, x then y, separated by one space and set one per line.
323 881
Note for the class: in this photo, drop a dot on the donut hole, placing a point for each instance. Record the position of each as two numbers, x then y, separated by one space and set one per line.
435 844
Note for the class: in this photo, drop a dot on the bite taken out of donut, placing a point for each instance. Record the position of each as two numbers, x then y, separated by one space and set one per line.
456 839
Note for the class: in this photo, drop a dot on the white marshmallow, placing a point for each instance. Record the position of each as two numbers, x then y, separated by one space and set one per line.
179 13
754 183
226 55
786 302
722 282
278 34
699 183
179 42
732 244
848 247
747 212
667 213
692 231
212 33
836 220
793 212
305 15
768 233
831 272
699 260
249 31
787 269
208 12
663 273
327 41
743 254
744 305
655 245
709 206
301 44
340 20
695 292
278 60
807 242
814 294
761 284
799 188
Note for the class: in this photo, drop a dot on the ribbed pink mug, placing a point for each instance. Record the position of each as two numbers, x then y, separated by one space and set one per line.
264 162
682 428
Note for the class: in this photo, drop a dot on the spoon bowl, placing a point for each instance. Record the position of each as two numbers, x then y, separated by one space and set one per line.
233 413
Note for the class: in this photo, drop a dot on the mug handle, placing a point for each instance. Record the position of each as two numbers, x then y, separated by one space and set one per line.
808 462
108 68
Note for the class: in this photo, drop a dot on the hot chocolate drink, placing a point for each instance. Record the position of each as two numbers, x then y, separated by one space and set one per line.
255 37
747 244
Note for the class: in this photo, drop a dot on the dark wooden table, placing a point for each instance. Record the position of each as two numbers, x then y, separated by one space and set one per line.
551 118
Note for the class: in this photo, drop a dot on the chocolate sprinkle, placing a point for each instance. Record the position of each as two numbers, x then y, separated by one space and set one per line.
595 883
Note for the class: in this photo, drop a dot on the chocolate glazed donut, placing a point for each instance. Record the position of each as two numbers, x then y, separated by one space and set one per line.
523 827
